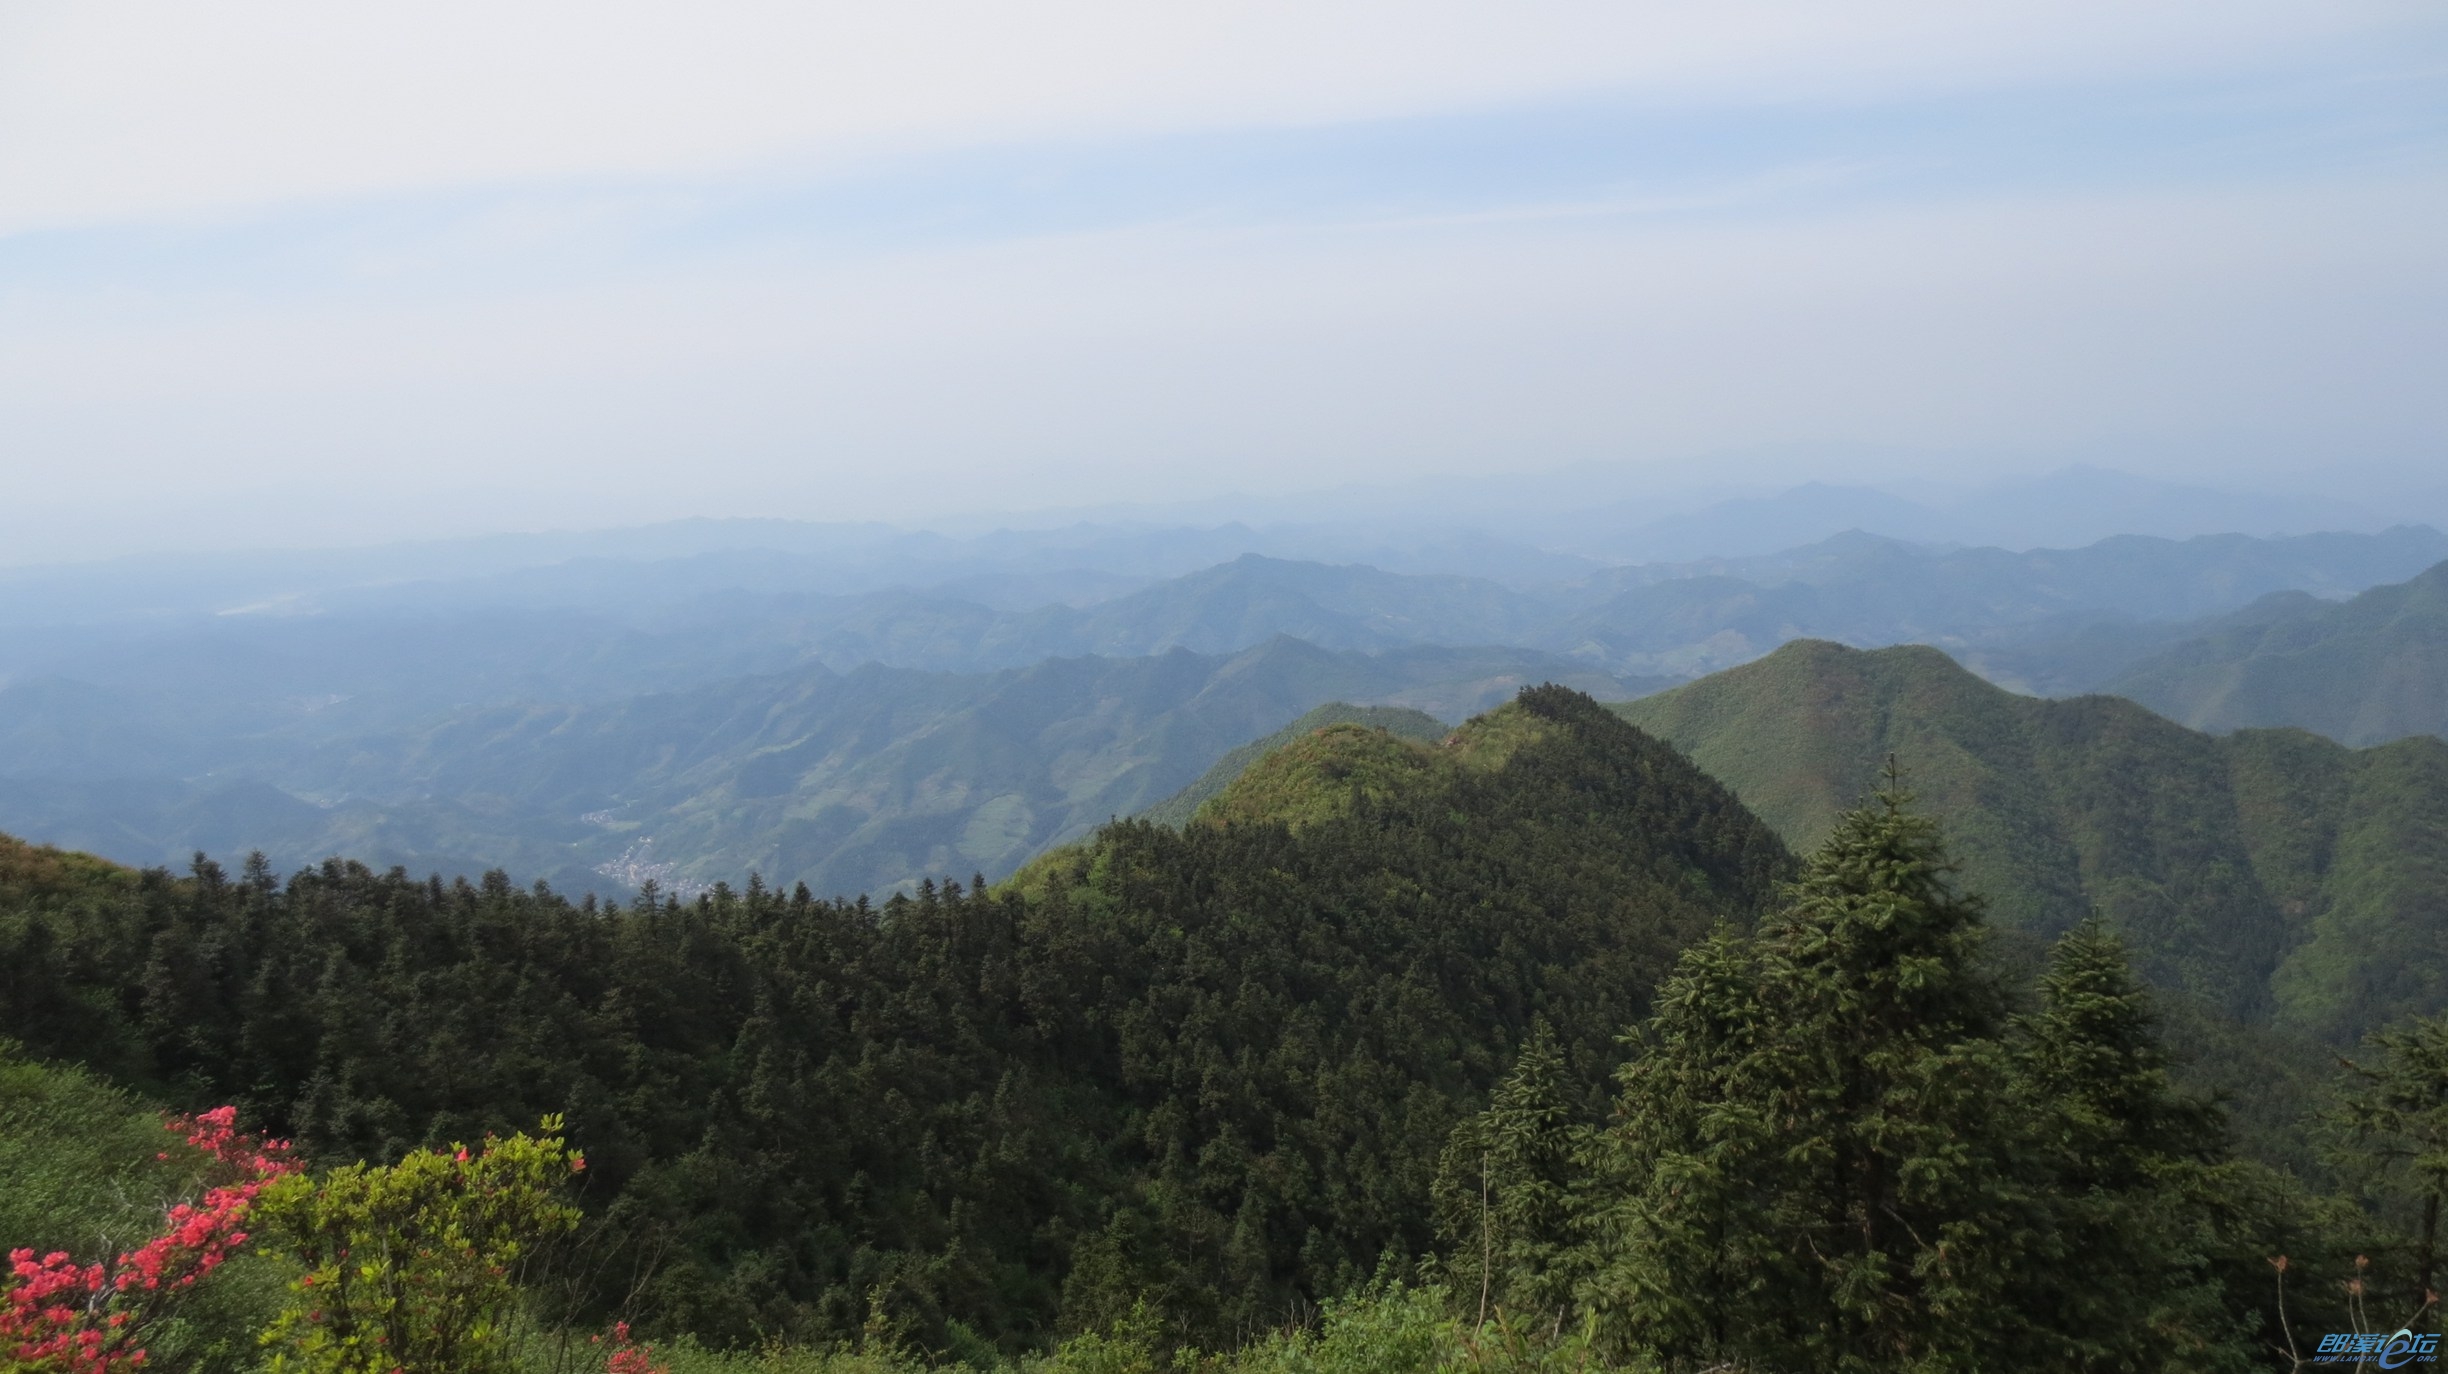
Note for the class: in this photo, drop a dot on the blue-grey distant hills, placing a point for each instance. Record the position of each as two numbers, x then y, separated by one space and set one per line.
860 781
2066 508
598 629
1651 620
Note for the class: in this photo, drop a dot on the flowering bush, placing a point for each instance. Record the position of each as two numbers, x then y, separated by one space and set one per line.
627 1356
93 1318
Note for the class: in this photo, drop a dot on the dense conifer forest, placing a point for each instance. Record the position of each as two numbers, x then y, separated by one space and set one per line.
1529 1047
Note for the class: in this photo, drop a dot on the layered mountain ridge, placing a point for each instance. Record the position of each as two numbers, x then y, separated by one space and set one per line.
862 781
2363 671
603 723
2273 874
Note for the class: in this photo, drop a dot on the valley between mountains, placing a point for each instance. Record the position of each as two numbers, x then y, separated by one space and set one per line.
604 723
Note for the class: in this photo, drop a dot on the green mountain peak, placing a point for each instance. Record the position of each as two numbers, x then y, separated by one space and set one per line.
1400 721
1334 768
1326 773
2272 874
1807 729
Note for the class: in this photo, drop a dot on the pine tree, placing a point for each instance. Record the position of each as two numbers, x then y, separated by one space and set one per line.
2396 1117
2139 1175
1678 1249
1818 1164
2093 1055
1502 1196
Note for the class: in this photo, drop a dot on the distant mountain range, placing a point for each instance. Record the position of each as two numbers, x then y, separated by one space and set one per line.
1523 530
859 781
1728 506
598 630
693 712
2063 509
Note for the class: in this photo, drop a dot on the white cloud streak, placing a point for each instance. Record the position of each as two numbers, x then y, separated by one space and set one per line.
1087 367
112 110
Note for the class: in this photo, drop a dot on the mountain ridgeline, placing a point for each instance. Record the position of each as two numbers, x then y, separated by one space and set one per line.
860 781
1211 1068
2273 875
2364 671
850 710
1396 720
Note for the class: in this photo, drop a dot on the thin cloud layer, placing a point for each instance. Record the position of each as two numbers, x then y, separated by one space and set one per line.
342 276
115 111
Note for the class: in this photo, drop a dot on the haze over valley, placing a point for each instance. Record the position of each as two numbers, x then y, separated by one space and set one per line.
861 708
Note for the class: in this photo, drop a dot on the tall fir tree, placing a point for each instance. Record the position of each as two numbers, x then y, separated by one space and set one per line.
2393 1121
1678 1251
2142 1187
1818 1163
1502 1194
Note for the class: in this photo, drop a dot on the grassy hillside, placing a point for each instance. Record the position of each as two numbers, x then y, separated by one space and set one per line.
1395 720
2364 671
2273 875
89 1165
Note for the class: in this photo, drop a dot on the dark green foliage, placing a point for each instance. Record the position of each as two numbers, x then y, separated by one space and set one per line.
2091 1054
1209 1068
1556 880
1502 1193
1836 1149
1815 1163
2393 1123
2157 1242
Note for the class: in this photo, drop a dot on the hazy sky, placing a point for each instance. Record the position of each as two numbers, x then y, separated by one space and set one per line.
302 273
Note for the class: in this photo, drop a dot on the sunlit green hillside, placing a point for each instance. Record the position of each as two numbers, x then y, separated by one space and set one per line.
2270 873
2365 671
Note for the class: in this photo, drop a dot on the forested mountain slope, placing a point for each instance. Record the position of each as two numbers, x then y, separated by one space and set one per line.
2365 671
1213 1066
2271 873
